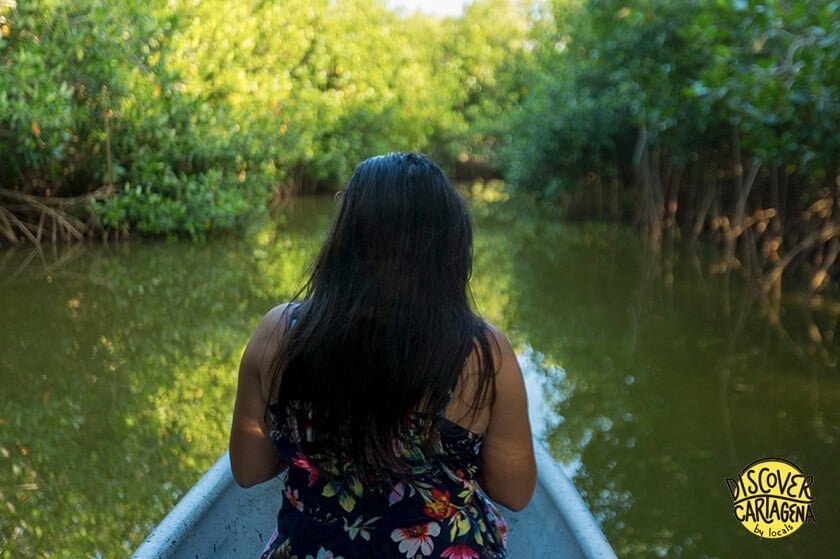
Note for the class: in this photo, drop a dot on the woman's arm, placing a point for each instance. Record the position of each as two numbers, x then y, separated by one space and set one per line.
253 458
509 472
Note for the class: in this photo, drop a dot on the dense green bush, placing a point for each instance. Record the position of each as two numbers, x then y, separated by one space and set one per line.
199 112
87 102
63 69
688 72
692 117
711 118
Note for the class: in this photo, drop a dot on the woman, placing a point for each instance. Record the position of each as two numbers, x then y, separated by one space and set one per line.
394 407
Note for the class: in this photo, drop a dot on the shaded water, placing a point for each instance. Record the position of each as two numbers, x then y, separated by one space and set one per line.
118 368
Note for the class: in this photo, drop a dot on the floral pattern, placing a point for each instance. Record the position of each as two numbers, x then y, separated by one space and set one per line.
459 551
416 538
333 511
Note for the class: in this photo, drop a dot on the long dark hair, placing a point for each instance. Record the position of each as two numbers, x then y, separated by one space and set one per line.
385 327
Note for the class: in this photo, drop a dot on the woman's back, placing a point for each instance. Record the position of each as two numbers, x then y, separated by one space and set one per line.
337 508
386 396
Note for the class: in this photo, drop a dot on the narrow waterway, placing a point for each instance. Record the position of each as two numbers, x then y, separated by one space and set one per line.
653 378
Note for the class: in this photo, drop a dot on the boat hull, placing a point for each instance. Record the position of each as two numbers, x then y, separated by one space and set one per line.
217 518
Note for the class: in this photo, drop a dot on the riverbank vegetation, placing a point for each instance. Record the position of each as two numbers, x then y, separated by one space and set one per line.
694 120
180 117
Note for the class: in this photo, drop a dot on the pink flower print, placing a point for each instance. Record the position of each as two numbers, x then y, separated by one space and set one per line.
416 538
459 551
502 527
292 496
302 462
497 520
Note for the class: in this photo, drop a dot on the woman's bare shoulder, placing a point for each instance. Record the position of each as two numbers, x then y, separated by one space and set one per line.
500 348
462 408
265 341
498 339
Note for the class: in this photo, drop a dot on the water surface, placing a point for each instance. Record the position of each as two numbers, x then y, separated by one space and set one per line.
659 378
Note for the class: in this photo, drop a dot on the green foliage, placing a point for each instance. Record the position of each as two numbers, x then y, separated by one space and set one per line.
63 64
482 66
88 102
685 71
198 111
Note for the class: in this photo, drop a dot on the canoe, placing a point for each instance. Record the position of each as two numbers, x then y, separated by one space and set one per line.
217 518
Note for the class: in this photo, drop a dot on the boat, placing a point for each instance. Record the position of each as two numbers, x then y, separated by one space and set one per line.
217 518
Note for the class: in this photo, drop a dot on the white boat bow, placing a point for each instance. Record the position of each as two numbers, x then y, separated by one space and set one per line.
217 518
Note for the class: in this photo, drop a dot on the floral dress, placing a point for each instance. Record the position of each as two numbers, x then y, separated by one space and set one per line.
439 512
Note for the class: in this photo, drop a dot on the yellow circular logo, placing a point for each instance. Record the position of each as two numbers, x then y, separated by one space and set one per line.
772 497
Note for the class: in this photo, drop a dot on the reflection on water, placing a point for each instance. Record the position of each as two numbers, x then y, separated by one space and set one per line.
658 379
543 399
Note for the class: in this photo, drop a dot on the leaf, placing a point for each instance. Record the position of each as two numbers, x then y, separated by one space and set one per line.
397 494
347 502
329 490
479 539
463 526
356 486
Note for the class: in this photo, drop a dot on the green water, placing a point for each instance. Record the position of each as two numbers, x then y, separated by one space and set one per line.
659 379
